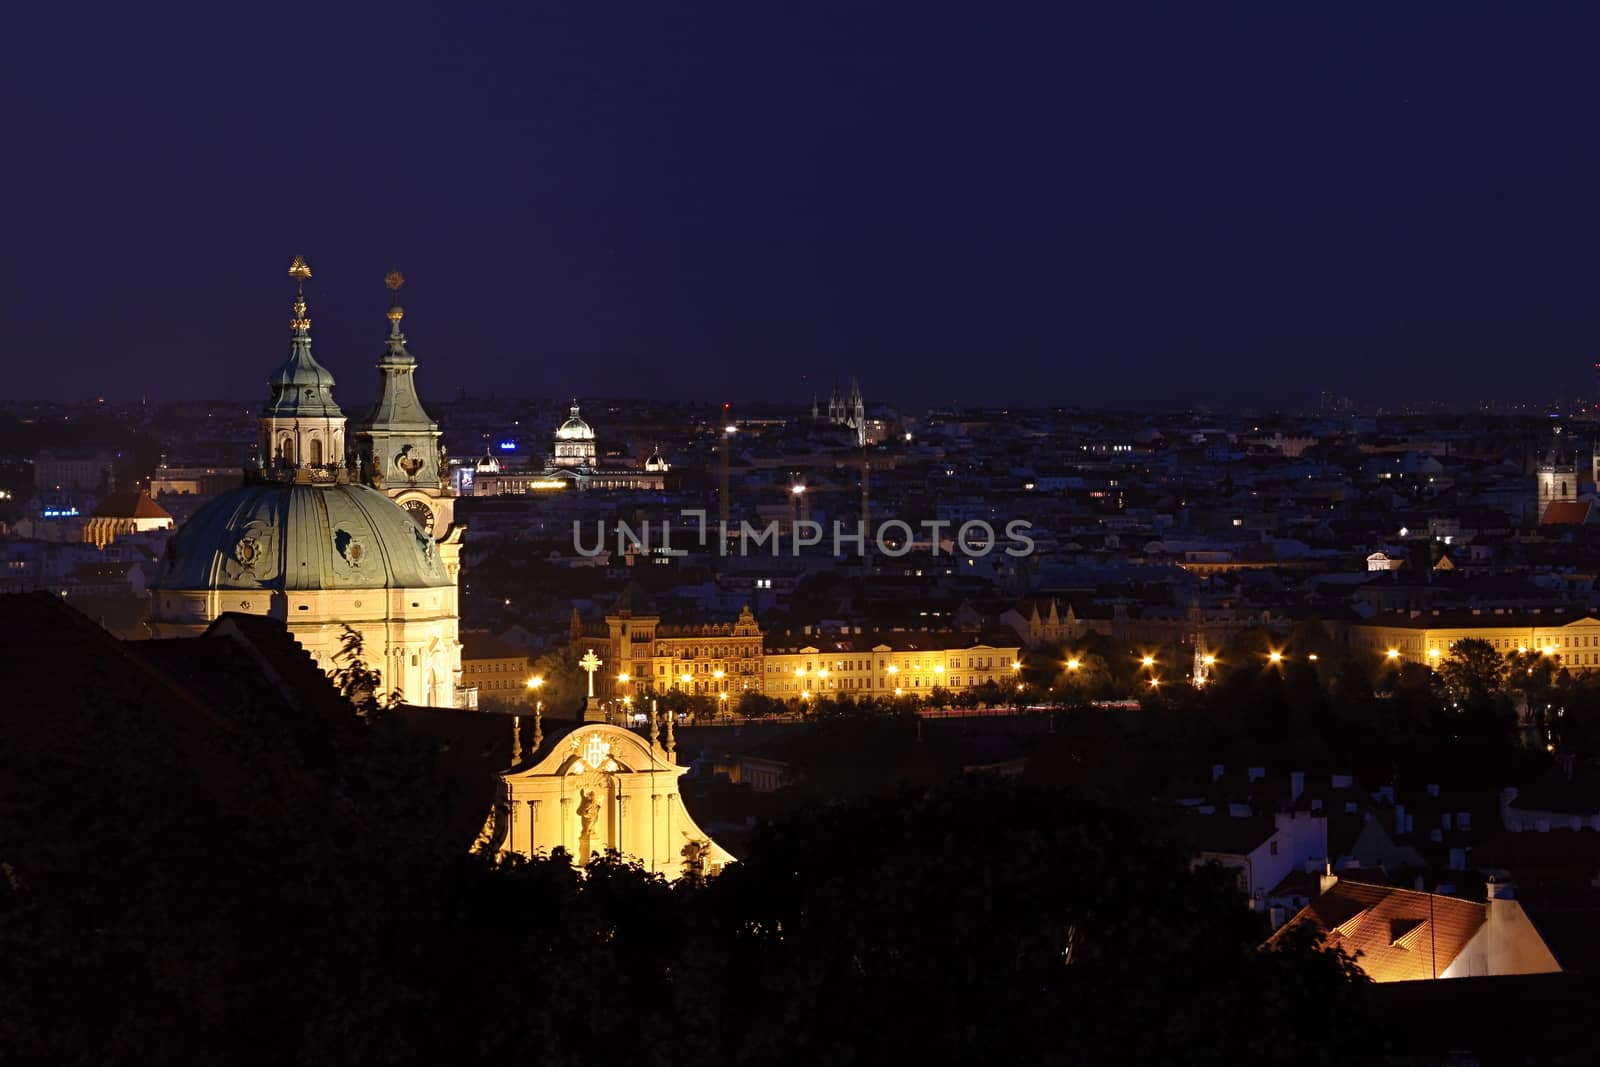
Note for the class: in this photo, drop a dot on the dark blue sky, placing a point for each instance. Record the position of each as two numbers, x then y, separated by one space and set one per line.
1142 205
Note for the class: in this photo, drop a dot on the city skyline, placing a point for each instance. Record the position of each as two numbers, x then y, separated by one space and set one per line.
1174 209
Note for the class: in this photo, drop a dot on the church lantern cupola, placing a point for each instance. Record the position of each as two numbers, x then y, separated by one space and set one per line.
301 428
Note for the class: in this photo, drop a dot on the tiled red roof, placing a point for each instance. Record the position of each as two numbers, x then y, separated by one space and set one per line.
1396 935
1565 513
130 505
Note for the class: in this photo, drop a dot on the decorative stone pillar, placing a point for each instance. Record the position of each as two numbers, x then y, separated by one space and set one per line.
533 827
655 825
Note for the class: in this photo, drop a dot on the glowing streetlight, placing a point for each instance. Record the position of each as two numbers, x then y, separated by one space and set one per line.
1015 665
1148 661
1433 653
535 682
1155 683
1208 661
1312 657
898 691
623 677
1393 653
1073 664
1275 656
893 669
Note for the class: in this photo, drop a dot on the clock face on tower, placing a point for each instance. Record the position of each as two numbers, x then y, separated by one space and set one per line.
421 514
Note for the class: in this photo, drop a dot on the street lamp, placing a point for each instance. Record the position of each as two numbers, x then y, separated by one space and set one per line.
1393 653
1275 656
1148 661
1073 664
1208 661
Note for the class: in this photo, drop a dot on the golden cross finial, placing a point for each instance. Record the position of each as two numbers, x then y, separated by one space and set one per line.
394 280
299 272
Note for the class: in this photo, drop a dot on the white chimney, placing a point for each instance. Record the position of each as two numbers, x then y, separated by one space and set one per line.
1328 879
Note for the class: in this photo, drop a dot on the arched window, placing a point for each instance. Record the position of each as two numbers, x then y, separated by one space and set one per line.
286 450
1563 488
314 453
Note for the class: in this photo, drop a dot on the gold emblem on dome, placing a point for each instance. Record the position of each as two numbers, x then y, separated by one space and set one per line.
298 268
394 279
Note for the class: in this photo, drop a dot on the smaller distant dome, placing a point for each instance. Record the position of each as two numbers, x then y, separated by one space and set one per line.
574 429
487 465
657 462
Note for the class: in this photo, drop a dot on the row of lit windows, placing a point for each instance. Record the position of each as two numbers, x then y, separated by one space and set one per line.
489 666
886 683
978 663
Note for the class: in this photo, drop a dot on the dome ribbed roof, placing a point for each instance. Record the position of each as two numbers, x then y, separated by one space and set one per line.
574 429
297 537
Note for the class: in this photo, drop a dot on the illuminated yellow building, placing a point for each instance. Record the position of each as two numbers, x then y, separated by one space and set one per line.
122 514
589 788
1427 637
642 656
702 660
898 662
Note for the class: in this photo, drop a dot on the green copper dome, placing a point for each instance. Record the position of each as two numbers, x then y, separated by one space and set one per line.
297 536
301 387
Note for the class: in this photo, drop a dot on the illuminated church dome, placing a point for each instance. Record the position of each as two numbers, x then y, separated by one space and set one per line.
488 463
575 447
306 543
574 429
656 462
281 536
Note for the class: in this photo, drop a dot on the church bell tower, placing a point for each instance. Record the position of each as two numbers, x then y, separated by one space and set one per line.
1558 476
398 444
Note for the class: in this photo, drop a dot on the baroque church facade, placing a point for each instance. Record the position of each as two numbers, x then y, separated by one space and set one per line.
332 532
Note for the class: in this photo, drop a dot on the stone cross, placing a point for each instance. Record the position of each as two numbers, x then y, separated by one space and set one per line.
591 663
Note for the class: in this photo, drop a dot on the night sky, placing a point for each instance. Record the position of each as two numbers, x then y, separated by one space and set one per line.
1151 205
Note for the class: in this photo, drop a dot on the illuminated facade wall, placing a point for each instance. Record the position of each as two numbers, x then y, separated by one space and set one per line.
1576 641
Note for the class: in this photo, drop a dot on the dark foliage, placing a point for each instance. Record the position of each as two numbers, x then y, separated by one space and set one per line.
316 915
